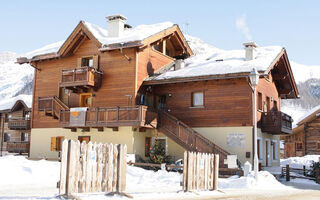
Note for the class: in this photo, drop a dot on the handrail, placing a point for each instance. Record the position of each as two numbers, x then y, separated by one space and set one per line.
193 132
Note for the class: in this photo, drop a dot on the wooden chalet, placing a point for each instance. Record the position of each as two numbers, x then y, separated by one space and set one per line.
15 126
305 138
106 86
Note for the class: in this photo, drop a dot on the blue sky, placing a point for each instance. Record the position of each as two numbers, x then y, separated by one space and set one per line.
27 25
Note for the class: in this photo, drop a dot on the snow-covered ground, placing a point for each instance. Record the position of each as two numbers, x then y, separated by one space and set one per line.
26 179
299 162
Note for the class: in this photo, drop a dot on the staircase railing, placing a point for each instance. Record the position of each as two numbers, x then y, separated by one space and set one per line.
186 136
51 104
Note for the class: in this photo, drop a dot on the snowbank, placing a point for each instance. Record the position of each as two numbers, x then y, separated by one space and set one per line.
266 181
298 162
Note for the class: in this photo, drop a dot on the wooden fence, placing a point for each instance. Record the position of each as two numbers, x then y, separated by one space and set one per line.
92 168
304 173
200 171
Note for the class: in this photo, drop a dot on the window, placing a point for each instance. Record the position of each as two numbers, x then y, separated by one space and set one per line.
197 99
6 137
268 103
275 106
318 145
299 146
274 150
27 116
84 138
87 62
24 137
56 143
85 100
259 101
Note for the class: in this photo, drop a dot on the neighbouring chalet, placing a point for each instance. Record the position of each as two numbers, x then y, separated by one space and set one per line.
15 124
305 138
143 85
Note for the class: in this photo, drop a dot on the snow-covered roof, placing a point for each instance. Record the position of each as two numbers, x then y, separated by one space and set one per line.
138 33
7 104
313 111
217 62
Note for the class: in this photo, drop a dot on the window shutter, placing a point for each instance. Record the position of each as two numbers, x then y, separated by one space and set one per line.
59 143
53 144
96 61
79 62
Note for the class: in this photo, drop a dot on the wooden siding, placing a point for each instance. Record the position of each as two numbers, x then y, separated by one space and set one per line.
118 79
226 102
150 61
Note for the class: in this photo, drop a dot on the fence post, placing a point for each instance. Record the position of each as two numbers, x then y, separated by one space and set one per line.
287 173
304 170
185 171
63 168
216 171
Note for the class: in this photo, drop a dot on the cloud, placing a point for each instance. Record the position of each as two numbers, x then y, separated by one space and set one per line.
241 23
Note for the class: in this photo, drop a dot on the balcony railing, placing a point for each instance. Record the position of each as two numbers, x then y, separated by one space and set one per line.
276 122
137 116
18 147
19 124
81 77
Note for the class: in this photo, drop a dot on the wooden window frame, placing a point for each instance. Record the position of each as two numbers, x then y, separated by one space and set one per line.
318 145
203 99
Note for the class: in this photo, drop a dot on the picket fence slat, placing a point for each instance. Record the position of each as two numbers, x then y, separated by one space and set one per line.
92 168
200 171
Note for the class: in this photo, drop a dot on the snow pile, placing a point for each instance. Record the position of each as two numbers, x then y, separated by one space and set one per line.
9 102
299 162
141 180
138 33
266 181
13 77
215 62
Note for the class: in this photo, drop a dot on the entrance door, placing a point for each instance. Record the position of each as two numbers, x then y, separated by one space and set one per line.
85 100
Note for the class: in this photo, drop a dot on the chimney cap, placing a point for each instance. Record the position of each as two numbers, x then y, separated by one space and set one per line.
116 16
250 44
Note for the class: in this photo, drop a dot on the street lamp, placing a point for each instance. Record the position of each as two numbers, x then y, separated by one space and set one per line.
254 79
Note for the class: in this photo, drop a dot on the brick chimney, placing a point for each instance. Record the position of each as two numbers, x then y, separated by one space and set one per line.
116 25
250 48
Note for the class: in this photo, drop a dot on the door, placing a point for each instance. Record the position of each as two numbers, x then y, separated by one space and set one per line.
85 100
64 96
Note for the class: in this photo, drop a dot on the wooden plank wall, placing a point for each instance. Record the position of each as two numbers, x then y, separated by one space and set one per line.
118 79
226 102
312 131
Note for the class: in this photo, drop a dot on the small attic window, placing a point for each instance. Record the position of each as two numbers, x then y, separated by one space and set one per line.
87 62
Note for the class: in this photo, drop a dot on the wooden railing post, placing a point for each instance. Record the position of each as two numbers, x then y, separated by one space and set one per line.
117 113
287 173
317 175
97 112
74 75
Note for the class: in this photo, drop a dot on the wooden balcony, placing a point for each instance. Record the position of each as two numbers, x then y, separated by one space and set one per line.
276 122
18 147
136 116
81 78
19 124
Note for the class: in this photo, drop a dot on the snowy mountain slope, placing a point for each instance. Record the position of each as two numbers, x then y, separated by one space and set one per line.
15 79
